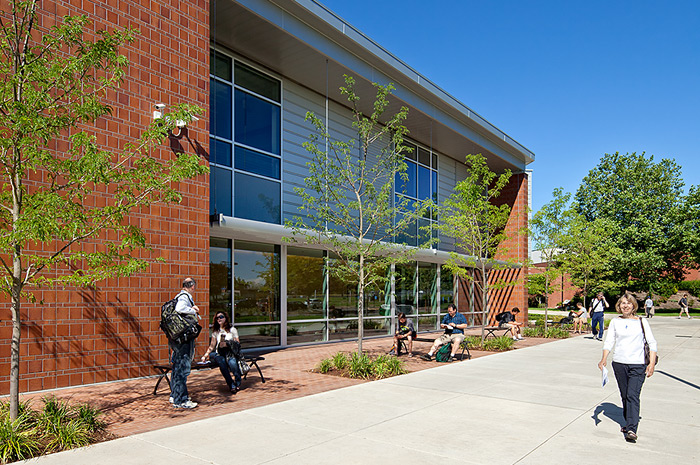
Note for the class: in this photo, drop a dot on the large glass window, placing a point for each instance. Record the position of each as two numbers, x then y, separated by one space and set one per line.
245 141
220 273
256 282
418 184
405 288
305 285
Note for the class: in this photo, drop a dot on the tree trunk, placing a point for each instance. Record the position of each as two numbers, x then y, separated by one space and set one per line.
16 335
361 306
484 302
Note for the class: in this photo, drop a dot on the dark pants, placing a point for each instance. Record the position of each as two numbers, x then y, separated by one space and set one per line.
630 379
181 359
226 366
598 318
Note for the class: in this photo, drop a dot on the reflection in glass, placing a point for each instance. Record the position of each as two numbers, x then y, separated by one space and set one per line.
423 156
219 191
427 323
423 183
305 284
221 111
257 82
303 333
221 66
220 152
372 327
407 186
446 289
259 335
405 288
342 297
257 199
427 288
257 122
257 163
220 272
256 282
378 298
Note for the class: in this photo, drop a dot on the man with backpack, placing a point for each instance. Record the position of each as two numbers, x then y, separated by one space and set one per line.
507 321
183 351
597 313
454 324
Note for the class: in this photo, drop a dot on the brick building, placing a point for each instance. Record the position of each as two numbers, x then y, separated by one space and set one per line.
256 67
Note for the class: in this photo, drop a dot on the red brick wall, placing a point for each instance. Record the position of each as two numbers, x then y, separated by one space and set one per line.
563 288
79 336
514 249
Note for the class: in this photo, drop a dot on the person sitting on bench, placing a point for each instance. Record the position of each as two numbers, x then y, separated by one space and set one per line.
580 317
454 324
508 322
405 331
223 351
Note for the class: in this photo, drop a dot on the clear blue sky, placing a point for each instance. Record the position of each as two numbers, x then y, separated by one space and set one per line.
570 81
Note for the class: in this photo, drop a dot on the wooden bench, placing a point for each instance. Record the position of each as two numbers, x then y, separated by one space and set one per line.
164 370
491 331
425 339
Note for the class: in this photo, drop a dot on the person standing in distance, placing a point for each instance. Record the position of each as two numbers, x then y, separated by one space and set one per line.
597 312
182 354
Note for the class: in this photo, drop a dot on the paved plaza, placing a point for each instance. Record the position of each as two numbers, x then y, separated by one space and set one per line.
536 405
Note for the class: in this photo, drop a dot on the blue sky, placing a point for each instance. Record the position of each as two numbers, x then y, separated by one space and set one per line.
570 81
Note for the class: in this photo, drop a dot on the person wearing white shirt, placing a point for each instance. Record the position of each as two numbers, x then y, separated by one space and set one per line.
625 334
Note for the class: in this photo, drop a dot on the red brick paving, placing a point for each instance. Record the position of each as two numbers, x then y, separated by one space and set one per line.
130 407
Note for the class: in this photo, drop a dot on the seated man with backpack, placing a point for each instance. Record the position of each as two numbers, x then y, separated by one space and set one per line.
506 320
454 324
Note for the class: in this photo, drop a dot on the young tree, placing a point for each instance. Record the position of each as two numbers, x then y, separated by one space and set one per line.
546 228
51 88
472 217
348 201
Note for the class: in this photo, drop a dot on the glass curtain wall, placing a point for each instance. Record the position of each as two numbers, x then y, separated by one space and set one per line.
245 283
420 184
245 141
306 291
256 311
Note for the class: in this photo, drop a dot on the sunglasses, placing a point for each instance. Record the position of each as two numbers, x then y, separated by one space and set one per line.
221 317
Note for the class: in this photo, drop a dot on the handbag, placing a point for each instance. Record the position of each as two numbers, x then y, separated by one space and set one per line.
647 351
245 368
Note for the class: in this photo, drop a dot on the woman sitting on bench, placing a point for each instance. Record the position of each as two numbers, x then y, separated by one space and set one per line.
223 350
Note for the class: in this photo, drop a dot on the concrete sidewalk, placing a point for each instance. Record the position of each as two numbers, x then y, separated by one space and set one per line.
538 405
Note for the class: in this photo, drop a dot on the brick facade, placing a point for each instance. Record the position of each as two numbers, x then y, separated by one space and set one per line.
79 336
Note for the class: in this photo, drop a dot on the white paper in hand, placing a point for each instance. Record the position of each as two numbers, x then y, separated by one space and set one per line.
604 376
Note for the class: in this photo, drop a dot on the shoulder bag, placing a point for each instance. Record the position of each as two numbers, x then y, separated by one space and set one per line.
647 351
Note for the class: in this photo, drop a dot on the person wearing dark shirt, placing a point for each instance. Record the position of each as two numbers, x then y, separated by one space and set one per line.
405 331
454 325
508 321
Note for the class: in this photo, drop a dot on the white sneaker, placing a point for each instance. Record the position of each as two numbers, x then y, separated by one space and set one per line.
521 338
515 338
187 404
172 401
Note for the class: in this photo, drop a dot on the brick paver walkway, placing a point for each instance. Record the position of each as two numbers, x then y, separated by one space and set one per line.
130 407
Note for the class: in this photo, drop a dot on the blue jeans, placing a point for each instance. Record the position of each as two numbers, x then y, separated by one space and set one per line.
630 379
226 366
181 359
598 318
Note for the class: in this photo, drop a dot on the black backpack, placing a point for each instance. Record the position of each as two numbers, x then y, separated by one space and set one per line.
177 327
499 317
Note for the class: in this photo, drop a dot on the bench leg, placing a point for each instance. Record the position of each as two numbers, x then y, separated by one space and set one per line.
163 374
465 347
255 363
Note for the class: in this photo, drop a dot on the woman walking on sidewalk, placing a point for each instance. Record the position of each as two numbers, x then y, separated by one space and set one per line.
627 333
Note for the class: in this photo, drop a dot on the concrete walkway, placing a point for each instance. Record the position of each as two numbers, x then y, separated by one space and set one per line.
537 405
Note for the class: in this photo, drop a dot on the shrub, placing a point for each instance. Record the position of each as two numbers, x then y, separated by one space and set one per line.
556 333
18 438
325 365
340 361
360 366
499 344
537 331
90 417
385 366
